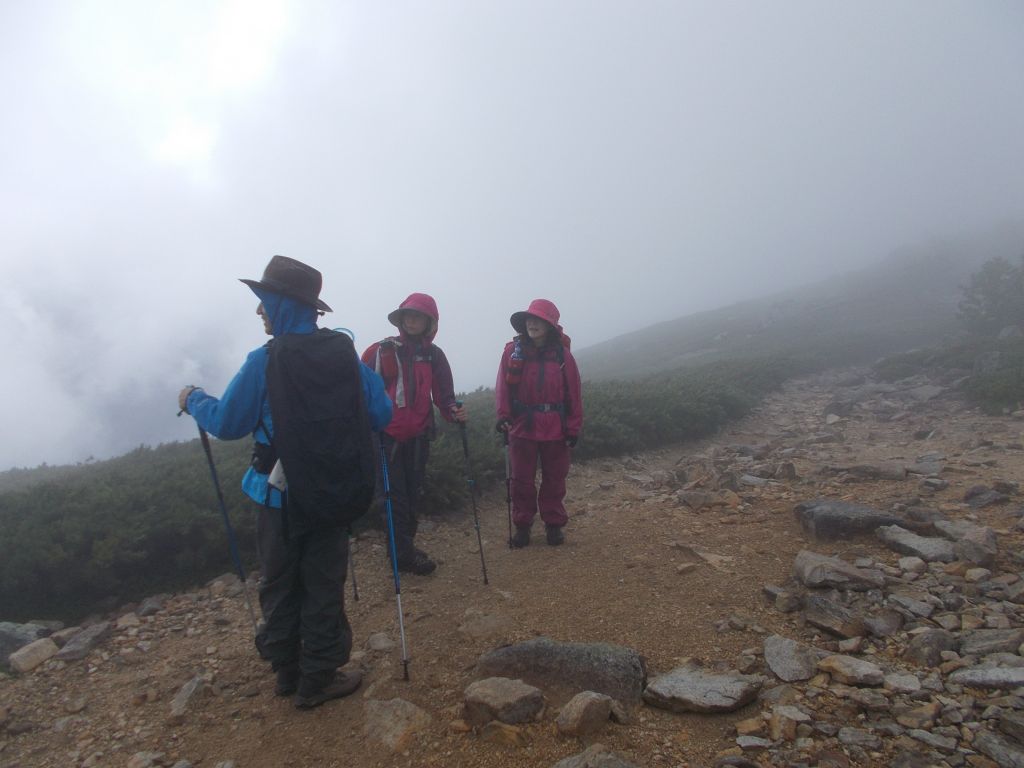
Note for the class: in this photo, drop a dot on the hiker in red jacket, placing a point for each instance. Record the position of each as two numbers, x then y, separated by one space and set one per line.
416 376
540 407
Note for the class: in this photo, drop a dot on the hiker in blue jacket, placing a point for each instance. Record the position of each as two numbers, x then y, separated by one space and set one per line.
303 551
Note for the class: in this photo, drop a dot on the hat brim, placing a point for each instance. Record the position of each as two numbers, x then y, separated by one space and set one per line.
395 318
320 304
518 321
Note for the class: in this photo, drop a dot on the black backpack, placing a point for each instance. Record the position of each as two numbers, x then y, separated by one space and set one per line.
322 432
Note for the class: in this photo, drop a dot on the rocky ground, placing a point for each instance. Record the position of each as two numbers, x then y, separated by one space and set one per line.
833 581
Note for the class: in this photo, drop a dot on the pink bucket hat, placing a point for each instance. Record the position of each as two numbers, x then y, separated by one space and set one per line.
542 308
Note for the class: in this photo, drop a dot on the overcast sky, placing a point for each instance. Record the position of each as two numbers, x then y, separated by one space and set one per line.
632 161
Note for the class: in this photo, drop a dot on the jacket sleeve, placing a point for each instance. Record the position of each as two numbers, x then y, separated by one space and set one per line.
502 394
573 397
442 387
378 404
236 413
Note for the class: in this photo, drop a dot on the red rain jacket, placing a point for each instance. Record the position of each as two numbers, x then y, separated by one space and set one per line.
416 374
547 402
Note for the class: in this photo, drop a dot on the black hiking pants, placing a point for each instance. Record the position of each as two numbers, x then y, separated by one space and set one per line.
301 591
407 464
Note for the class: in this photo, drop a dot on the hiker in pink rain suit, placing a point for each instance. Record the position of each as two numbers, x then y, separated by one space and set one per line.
540 408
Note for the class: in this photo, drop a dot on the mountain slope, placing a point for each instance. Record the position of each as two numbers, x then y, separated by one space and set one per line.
906 301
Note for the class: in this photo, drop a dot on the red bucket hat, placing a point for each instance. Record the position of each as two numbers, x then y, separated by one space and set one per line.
420 302
542 308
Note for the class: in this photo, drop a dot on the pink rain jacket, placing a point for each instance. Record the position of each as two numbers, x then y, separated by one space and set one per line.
416 373
544 382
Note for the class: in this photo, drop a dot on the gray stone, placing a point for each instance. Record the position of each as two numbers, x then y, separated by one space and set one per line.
748 743
1004 752
830 520
851 670
898 683
981 642
983 677
692 689
935 741
886 623
499 698
829 615
789 660
585 714
926 648
908 543
595 756
184 697
15 636
600 667
151 605
979 496
858 737
912 604
976 544
394 723
816 571
79 646
1012 724
30 656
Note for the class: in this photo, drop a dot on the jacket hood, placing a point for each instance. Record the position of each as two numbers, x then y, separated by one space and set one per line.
287 315
420 302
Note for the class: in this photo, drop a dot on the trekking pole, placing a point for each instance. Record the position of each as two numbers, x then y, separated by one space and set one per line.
232 540
394 556
472 494
508 489
352 566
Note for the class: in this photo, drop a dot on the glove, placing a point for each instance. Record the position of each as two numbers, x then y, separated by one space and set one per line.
571 440
503 426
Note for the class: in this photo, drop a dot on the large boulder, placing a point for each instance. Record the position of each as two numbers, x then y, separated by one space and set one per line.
569 668
830 520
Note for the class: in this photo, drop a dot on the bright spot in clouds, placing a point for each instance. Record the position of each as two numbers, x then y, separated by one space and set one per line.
172 69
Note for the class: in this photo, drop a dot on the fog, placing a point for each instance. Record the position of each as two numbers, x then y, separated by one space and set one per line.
633 162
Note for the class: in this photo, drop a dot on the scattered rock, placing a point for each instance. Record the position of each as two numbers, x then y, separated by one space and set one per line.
818 571
852 671
788 660
927 548
499 698
394 723
691 689
585 714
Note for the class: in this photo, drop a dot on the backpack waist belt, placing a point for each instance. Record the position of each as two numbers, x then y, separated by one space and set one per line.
531 408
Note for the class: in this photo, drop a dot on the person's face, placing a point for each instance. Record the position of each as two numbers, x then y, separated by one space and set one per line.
266 320
414 323
536 328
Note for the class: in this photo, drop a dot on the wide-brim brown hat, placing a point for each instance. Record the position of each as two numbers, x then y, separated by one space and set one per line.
294 279
541 308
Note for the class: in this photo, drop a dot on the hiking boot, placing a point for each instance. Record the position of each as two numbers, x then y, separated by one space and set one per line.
287 680
521 537
554 535
419 563
313 694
